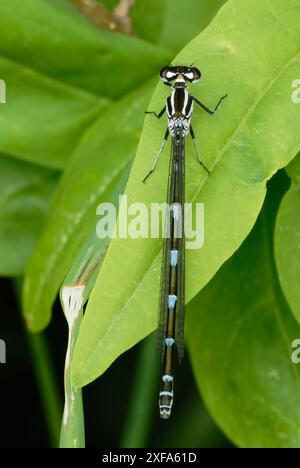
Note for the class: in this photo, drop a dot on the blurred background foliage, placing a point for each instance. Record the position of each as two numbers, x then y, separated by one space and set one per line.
60 79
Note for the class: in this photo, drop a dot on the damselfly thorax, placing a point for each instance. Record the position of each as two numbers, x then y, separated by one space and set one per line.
179 110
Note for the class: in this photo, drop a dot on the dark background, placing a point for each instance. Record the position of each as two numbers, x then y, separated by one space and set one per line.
23 420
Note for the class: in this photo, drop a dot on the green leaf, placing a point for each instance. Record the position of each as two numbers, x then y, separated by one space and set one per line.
148 26
65 6
170 23
240 334
61 74
287 246
25 194
43 119
184 20
255 133
293 169
97 166
68 48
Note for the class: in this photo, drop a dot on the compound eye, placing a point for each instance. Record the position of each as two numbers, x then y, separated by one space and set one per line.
167 74
196 74
171 75
189 76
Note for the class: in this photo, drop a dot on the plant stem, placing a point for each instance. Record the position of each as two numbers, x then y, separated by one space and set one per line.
142 401
46 383
44 374
72 433
102 18
122 12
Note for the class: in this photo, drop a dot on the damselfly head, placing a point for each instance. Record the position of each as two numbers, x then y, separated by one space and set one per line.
180 74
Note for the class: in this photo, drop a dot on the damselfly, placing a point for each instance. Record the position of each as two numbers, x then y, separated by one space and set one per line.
179 109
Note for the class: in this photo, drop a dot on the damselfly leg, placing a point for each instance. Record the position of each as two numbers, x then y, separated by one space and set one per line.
197 151
209 111
152 169
158 116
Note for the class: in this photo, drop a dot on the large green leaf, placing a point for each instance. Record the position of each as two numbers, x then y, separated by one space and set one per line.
184 20
149 25
67 47
170 23
43 119
255 133
98 164
239 331
25 194
287 240
63 228
61 73
293 169
65 6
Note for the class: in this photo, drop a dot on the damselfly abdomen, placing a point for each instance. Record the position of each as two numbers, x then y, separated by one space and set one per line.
179 109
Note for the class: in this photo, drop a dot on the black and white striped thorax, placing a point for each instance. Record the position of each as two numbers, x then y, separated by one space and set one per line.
179 108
